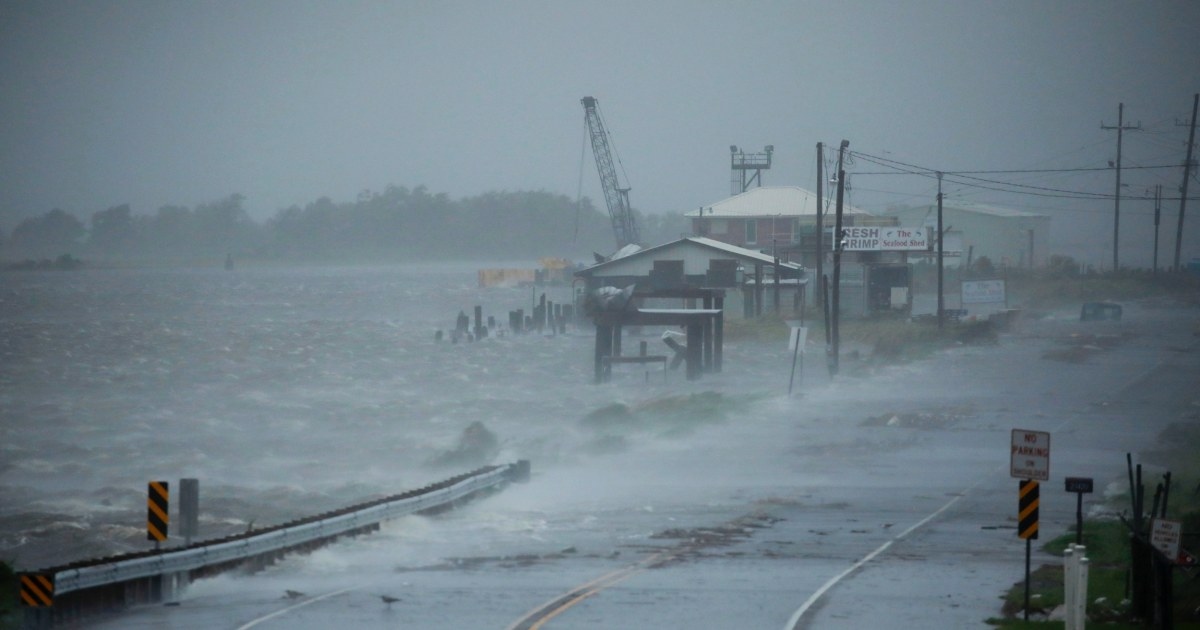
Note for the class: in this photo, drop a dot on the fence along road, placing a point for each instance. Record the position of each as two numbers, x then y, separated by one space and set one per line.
89 586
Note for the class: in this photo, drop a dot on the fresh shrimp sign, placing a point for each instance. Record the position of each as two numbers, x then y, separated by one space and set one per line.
884 239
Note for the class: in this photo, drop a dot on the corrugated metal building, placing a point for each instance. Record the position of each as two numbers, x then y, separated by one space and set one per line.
1006 236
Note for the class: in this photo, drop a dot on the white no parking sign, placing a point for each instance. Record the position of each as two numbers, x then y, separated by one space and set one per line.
1030 455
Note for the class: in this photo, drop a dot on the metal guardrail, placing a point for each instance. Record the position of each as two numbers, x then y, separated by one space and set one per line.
296 534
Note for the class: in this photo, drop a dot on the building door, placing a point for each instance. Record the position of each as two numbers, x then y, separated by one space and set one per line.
881 280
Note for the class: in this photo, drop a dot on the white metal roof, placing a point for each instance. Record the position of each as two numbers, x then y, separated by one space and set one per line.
732 250
978 208
738 251
769 201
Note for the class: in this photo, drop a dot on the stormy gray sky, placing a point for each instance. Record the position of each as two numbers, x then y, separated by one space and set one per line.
154 103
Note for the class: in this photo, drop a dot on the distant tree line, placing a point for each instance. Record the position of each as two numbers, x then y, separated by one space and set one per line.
397 224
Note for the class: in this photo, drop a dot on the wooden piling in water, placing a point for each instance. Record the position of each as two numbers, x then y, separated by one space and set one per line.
604 338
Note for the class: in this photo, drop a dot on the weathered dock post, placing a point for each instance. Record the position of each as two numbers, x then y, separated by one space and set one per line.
604 349
695 350
776 286
708 333
758 290
719 334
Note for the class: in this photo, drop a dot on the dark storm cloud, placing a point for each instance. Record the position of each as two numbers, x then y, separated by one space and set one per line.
181 103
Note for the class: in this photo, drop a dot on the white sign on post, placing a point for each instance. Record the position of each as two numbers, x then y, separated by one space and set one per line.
799 336
884 239
983 291
1165 536
1030 455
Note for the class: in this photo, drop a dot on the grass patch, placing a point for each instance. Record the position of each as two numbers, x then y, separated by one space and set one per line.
8 598
667 416
886 340
1052 289
1108 548
764 329
1108 555
890 338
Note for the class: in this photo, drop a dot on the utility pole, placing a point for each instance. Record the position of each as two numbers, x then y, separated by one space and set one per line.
837 261
1117 197
1183 190
820 223
1157 213
941 313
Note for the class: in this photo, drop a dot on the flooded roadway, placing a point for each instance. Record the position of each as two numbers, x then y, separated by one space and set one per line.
881 501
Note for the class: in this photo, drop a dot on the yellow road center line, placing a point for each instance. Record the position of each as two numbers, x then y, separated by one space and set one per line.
585 591
280 613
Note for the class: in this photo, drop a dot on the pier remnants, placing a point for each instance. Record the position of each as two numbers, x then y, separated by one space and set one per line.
704 327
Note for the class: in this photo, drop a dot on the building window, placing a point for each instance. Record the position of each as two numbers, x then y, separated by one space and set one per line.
751 232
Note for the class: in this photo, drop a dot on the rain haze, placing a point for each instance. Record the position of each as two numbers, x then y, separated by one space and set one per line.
155 104
446 145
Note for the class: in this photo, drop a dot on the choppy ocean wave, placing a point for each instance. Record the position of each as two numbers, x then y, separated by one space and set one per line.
289 390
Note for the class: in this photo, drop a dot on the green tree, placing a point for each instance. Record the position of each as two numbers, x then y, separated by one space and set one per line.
166 234
222 227
316 232
48 236
113 232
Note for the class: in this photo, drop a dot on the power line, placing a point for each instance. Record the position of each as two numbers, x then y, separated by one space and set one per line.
903 168
1027 170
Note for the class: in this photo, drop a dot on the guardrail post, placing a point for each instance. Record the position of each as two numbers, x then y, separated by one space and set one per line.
1068 587
520 471
189 510
1075 576
173 585
1081 586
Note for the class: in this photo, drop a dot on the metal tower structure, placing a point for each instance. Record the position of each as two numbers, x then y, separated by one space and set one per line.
617 198
740 163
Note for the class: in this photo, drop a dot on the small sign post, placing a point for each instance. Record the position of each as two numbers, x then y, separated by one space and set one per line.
157 511
1028 503
1165 536
1080 486
1030 453
796 341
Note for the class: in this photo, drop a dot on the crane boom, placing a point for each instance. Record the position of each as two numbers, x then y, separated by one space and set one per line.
617 198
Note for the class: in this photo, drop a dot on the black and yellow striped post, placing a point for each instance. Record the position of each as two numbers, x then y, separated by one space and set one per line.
158 511
37 590
1027 525
1027 512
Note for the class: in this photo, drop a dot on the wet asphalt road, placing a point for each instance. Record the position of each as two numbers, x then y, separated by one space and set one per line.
878 502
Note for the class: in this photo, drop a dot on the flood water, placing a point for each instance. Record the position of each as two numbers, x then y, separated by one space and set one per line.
291 390
288 392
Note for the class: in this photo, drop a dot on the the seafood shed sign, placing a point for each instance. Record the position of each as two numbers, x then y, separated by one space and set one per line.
1030 455
878 239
